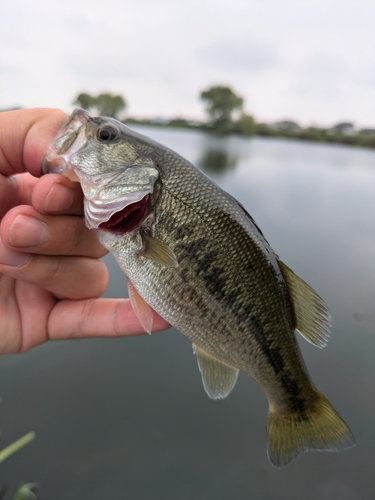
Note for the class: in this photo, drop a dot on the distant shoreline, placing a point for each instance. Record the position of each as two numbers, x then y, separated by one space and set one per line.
345 135
310 134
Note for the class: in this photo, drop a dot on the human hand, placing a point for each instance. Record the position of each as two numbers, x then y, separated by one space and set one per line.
51 275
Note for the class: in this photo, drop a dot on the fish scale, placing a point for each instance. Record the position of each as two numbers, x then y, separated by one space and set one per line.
206 305
199 259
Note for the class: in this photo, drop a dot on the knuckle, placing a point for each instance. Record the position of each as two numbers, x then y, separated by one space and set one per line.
55 270
118 326
77 235
82 241
86 315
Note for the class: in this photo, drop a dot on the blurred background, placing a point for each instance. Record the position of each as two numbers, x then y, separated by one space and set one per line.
275 101
310 61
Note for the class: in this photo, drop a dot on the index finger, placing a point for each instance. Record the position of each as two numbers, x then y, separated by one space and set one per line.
88 318
24 137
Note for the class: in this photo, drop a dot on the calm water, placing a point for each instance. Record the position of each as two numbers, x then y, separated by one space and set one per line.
128 418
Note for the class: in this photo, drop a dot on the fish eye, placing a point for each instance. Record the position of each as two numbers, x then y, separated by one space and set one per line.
106 134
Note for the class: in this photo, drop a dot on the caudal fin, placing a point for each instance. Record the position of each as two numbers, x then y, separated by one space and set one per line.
319 429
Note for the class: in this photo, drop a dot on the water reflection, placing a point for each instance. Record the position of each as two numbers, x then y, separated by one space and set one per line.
131 415
217 161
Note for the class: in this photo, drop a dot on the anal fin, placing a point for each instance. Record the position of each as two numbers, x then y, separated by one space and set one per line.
143 311
218 378
313 319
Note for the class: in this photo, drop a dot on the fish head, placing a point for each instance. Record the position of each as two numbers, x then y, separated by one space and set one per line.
114 167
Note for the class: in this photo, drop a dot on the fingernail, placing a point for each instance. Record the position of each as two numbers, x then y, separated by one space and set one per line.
11 258
59 199
27 232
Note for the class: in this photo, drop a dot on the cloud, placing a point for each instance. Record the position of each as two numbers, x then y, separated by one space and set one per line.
97 65
323 75
309 60
11 70
239 56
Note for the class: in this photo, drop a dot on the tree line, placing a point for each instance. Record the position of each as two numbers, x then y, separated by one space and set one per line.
225 115
221 104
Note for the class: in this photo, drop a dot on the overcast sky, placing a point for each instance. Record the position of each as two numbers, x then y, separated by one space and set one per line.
312 61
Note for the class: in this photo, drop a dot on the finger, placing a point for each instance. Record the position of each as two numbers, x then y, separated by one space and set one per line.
97 318
24 315
16 190
10 325
55 194
67 277
24 229
25 135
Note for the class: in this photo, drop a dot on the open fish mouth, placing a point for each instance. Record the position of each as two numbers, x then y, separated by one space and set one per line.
116 199
127 219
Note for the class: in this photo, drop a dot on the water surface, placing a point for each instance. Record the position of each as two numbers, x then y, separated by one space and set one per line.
128 418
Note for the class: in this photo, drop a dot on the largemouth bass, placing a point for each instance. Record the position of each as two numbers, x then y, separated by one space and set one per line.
192 253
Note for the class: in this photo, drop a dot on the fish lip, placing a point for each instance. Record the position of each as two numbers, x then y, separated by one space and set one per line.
78 118
69 139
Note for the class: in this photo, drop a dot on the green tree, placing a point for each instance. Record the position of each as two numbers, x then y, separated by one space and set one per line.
246 124
105 104
221 102
110 105
85 101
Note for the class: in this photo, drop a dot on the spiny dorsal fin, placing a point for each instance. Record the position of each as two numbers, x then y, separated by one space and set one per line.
218 377
157 251
143 311
313 320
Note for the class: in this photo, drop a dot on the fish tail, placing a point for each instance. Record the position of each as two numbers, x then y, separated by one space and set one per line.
320 428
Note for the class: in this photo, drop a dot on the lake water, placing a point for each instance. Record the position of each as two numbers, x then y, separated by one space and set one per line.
128 418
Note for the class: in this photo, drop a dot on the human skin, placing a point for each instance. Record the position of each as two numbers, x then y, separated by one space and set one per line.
51 277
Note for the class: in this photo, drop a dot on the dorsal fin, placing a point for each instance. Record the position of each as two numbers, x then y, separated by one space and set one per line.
142 310
313 319
218 378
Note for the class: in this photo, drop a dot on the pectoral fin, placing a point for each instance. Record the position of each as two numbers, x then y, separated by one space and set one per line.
157 251
218 377
313 320
143 311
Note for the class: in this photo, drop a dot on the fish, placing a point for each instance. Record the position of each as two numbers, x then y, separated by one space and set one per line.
192 253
